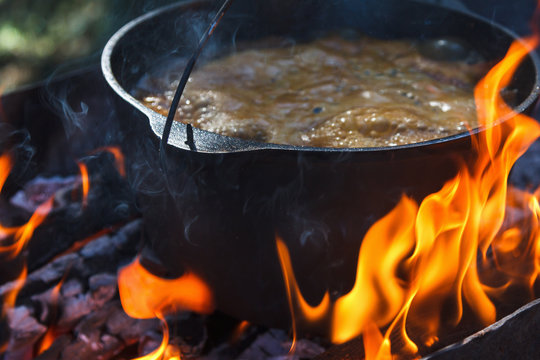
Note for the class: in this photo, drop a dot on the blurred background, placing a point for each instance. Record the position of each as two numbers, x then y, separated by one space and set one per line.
44 38
39 39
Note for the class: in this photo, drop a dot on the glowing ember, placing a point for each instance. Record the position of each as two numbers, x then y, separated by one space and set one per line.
85 182
21 234
14 239
421 262
11 296
52 332
24 233
158 353
118 157
241 328
77 245
5 168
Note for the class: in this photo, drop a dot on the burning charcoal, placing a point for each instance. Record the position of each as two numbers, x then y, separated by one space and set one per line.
24 329
103 348
48 276
74 308
93 322
109 251
24 353
39 190
188 333
271 344
150 341
98 252
238 336
127 328
99 255
71 288
306 349
46 302
91 342
101 280
53 271
55 350
69 222
102 288
351 350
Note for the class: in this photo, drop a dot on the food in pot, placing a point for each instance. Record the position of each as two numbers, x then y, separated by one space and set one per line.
331 92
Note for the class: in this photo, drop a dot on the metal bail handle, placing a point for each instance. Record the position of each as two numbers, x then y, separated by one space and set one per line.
182 84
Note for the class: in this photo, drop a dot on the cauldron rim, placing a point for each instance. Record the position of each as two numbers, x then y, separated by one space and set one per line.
217 143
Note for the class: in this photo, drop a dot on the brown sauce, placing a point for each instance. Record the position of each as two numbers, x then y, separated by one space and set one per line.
331 92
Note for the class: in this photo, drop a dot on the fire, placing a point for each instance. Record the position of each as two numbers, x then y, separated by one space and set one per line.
294 295
77 245
21 234
158 353
11 297
145 296
85 178
51 333
85 182
118 157
5 168
14 239
423 261
240 329
375 346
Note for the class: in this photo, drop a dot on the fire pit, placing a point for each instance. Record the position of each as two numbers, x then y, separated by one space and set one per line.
82 241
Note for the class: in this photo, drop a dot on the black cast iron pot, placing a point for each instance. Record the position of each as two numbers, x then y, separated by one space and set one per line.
224 199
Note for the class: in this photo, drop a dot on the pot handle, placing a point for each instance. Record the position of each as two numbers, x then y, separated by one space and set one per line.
182 84
187 137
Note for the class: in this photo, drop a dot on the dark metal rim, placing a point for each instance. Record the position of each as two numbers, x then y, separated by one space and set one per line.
157 120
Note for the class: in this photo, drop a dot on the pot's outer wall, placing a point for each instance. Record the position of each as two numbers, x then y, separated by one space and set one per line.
222 220
218 210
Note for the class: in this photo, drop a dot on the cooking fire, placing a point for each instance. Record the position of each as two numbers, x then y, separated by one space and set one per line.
111 248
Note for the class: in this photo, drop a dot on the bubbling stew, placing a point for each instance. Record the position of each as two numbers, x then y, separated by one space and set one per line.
331 92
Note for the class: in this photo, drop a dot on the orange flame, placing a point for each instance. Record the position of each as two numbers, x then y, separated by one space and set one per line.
23 234
240 329
294 295
420 262
85 182
79 244
375 346
118 157
158 353
11 296
143 294
52 332
5 168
